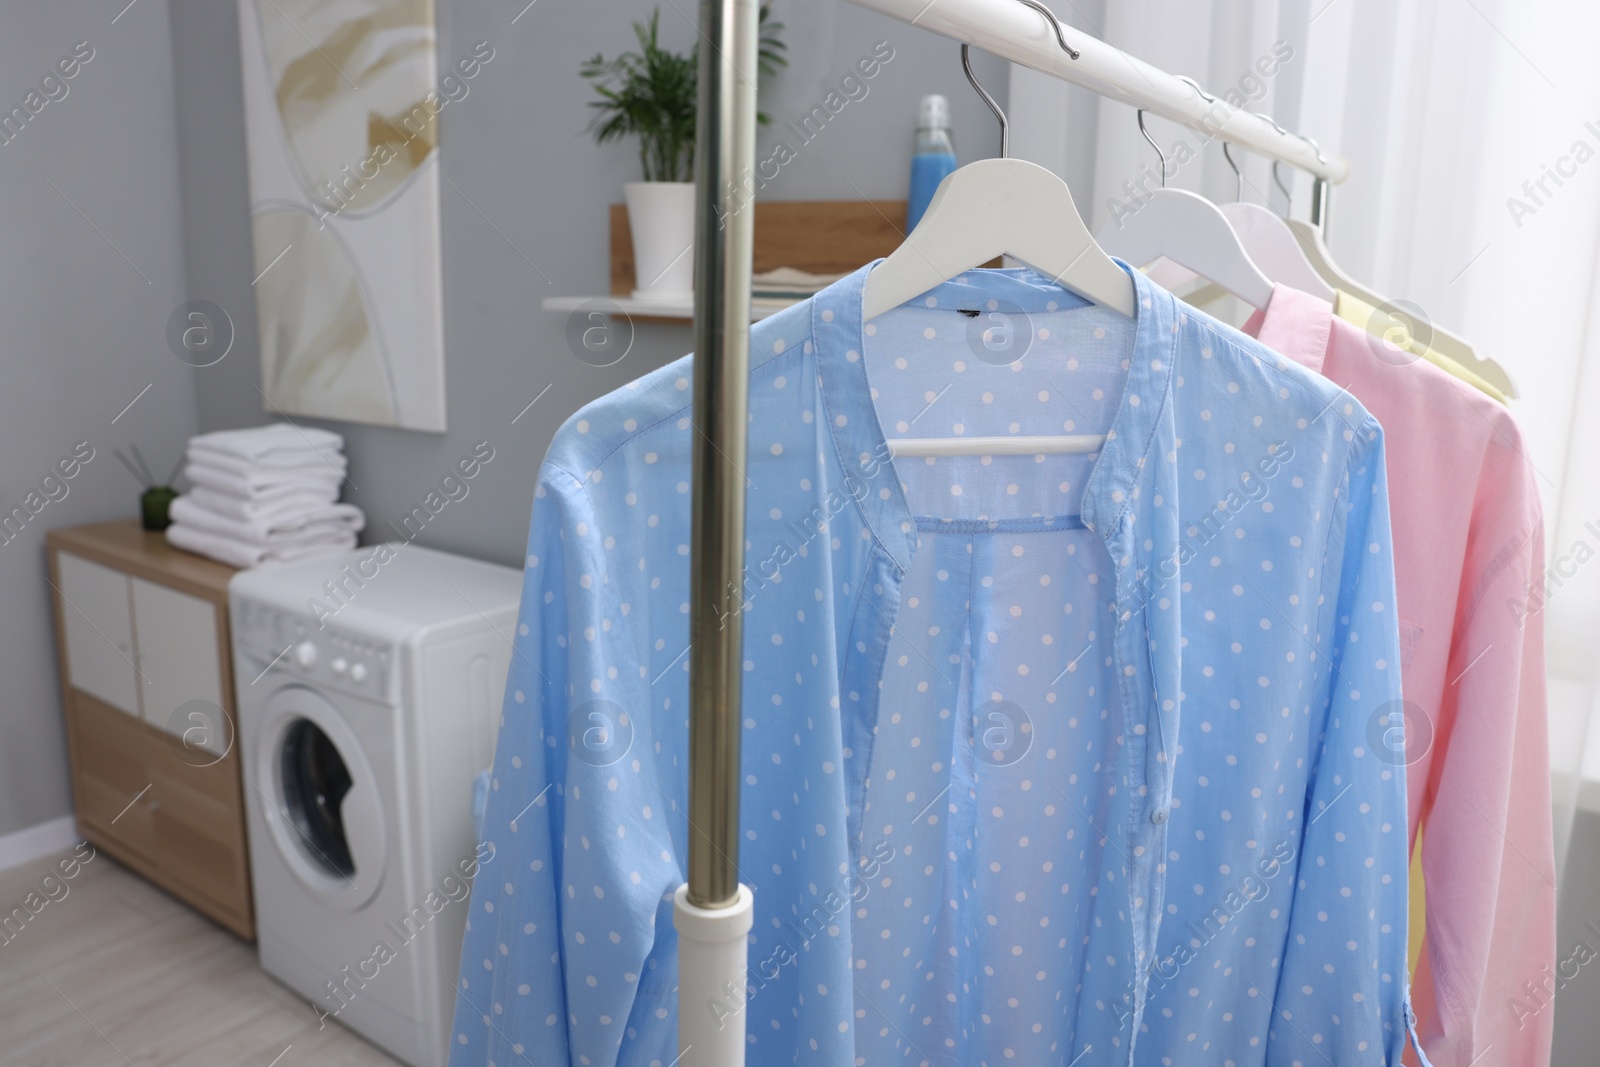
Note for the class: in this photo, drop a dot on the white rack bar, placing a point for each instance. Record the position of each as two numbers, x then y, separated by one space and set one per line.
1012 30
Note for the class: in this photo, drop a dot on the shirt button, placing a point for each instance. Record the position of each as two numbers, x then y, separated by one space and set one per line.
1158 816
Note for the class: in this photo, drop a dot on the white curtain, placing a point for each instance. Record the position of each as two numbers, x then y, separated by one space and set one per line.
1444 108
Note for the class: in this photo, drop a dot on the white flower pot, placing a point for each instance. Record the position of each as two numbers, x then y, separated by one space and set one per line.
661 218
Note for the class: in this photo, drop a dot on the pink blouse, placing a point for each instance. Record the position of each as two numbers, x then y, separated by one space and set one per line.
1469 567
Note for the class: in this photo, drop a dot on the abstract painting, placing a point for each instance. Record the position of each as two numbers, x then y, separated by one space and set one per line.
342 123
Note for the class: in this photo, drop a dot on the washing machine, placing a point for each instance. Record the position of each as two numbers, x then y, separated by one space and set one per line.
369 686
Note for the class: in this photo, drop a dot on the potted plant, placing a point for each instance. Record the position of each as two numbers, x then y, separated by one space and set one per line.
651 94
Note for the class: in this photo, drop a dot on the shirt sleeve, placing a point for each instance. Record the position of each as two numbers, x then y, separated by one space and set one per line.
563 951
1340 996
1486 980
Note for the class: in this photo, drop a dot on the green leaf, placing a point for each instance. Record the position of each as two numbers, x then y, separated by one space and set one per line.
651 94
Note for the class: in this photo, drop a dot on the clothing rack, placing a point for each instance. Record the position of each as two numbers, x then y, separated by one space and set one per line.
1022 31
713 912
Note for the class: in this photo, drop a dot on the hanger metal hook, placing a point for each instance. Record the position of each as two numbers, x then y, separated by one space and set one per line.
1055 24
972 79
1005 126
1270 121
1288 197
1238 175
1159 154
1191 83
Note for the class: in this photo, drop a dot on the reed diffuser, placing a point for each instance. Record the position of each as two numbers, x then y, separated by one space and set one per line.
155 503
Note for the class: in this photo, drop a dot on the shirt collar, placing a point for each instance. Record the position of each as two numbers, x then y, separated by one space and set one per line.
1295 324
863 451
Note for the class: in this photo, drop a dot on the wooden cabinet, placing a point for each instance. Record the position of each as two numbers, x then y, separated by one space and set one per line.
147 688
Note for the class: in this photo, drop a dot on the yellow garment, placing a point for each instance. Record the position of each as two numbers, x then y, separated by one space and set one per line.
1354 310
1419 906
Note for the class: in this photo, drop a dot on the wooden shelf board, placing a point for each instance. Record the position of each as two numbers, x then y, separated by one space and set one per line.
646 310
816 236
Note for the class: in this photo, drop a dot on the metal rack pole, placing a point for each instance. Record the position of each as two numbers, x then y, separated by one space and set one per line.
1321 202
713 912
724 161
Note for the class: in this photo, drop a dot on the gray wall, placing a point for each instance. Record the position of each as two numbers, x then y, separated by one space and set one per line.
84 316
148 144
525 218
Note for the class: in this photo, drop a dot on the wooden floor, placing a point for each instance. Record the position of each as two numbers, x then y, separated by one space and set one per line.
116 973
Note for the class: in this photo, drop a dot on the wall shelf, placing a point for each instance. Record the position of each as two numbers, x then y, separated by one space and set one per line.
816 236
649 310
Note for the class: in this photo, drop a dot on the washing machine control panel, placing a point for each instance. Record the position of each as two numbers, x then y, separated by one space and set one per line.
287 643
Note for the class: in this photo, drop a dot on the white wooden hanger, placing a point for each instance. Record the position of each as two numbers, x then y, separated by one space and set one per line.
1274 249
1316 251
1442 341
1271 246
1269 241
985 209
995 207
1188 230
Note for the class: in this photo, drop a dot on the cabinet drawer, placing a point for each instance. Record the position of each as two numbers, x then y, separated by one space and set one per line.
116 814
197 840
195 769
112 770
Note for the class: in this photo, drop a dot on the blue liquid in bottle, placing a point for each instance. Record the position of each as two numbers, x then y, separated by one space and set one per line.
927 171
933 157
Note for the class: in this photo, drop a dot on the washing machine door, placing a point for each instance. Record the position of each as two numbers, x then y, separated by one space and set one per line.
319 798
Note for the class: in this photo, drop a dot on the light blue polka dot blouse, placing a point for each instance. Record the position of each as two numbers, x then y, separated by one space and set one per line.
1061 759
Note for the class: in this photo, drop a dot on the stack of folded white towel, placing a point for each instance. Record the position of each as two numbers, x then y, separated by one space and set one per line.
264 494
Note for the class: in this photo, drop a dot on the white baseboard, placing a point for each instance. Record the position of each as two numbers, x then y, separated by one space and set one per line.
25 846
